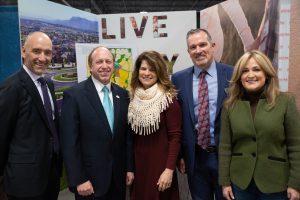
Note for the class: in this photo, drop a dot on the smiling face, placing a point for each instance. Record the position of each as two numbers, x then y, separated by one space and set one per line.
201 50
102 65
253 78
147 75
37 52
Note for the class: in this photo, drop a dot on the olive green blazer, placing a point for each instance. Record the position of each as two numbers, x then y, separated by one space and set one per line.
266 148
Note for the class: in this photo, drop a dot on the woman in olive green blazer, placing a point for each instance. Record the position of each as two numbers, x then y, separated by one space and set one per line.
259 151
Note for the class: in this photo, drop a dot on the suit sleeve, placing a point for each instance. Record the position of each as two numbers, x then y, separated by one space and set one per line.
8 119
70 141
130 160
292 132
225 149
173 120
129 144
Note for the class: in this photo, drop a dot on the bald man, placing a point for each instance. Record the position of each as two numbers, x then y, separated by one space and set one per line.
29 149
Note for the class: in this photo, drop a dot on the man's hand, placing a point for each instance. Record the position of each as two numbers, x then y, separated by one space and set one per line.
85 189
165 180
181 166
227 192
293 194
129 178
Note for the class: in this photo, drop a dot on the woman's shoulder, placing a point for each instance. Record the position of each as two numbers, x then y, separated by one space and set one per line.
285 97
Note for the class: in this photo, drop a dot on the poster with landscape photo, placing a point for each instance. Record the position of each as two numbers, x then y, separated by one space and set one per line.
65 26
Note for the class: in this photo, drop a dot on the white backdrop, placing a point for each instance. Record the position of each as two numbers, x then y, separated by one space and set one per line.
170 39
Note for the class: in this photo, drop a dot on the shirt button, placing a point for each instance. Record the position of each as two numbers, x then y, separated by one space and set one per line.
253 155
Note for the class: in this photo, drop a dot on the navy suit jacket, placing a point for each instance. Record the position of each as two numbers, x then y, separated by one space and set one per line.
183 80
26 144
90 150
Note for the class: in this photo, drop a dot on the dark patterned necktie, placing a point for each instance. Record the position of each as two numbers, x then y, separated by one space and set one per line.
48 109
203 138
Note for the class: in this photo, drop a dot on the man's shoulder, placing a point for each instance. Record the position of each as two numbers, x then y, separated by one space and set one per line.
77 87
12 81
182 72
225 66
119 89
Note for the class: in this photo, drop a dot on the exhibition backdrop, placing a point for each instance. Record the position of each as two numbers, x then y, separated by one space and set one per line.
242 25
10 55
236 26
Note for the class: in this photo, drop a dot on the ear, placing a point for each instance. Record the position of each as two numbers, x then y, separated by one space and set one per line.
213 44
23 52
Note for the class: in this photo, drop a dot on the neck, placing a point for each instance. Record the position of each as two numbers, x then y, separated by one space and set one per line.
254 97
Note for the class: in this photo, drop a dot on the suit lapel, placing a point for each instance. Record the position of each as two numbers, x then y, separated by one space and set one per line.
93 98
188 81
34 93
222 82
117 104
52 92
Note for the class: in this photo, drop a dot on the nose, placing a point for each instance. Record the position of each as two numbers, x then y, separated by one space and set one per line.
146 72
42 57
251 74
198 49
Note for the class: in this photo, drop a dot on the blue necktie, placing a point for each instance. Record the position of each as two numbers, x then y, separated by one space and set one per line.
108 108
48 109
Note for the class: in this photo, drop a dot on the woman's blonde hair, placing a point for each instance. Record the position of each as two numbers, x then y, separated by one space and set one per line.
271 88
155 60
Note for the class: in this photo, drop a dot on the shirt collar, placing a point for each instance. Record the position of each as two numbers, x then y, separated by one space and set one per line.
100 85
32 75
211 70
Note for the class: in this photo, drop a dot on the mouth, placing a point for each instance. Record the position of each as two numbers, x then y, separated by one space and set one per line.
200 57
146 78
41 66
251 81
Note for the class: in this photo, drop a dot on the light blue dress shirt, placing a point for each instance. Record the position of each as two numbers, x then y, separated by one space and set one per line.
212 82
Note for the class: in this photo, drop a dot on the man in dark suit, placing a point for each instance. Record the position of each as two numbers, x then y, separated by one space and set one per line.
29 148
201 120
95 136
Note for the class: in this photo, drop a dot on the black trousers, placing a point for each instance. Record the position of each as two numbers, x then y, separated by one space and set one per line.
53 186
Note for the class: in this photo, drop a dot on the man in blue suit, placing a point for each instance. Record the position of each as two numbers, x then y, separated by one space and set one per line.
199 160
96 139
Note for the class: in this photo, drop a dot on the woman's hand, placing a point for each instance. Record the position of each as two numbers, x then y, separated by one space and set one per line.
165 180
227 192
293 194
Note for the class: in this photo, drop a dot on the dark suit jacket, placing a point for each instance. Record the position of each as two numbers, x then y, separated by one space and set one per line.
90 150
26 144
266 148
183 80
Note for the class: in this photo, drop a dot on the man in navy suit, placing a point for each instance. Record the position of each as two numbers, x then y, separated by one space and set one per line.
201 164
29 151
96 142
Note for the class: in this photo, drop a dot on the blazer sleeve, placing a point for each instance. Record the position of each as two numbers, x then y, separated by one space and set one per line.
70 144
292 132
225 149
129 143
173 122
8 119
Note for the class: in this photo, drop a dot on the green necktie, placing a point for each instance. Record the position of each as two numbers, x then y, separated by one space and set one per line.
108 107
